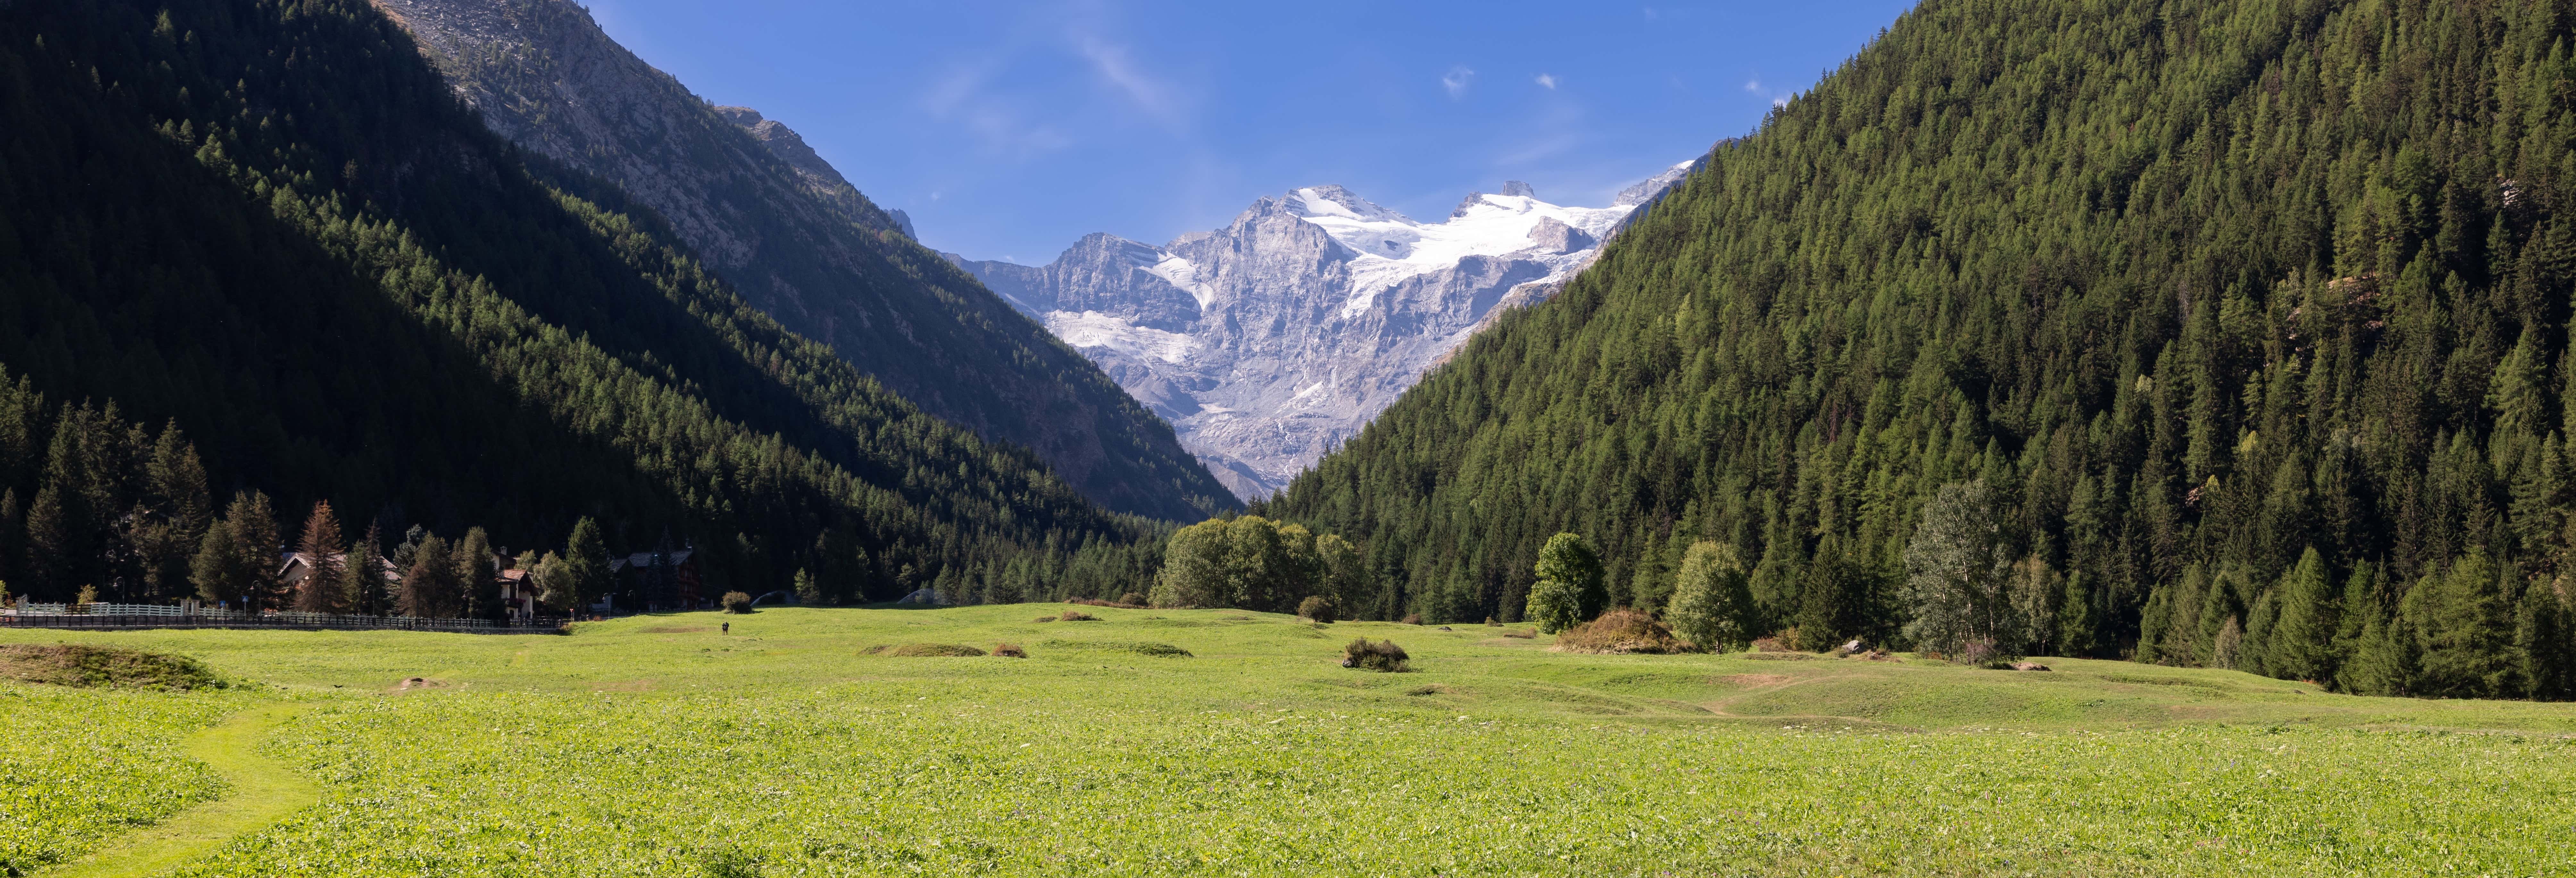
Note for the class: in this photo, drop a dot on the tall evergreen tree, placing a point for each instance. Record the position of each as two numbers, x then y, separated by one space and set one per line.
2542 644
478 577
256 550
362 578
2302 642
585 565
323 589
2464 623
431 590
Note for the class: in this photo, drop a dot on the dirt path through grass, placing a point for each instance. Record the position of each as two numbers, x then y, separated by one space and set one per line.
263 790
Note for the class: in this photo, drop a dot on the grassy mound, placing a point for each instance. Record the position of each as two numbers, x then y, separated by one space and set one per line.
72 664
1620 632
1157 650
926 650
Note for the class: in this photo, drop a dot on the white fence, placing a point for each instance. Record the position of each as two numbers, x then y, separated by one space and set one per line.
191 615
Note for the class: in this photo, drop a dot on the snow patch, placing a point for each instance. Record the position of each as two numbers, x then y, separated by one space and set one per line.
1092 329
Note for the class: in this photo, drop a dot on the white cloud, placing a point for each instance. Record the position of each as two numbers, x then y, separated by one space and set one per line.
963 98
1780 102
1156 97
1753 85
1547 81
1456 80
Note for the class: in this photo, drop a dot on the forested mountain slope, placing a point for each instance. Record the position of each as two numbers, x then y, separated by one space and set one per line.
806 247
2192 286
271 224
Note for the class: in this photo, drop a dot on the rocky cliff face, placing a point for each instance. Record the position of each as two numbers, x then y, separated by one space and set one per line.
1270 341
788 231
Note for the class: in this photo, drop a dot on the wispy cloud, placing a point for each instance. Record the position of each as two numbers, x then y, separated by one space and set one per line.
964 97
1154 96
1753 85
1547 81
1456 81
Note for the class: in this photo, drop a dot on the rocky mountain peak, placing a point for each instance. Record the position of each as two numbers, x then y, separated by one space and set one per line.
1274 339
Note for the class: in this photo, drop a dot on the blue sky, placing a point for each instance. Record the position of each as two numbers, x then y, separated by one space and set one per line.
1009 128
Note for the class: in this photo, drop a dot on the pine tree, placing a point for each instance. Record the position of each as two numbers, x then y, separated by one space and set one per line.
478 580
2541 644
216 569
2384 656
586 565
2078 630
362 578
2302 643
809 591
48 565
322 590
255 549
2465 625
430 590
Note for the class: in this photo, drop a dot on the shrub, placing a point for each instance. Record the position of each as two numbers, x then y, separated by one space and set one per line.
1621 631
1133 600
737 602
1413 618
1318 608
1383 656
1490 623
1009 650
108 666
1077 616
926 650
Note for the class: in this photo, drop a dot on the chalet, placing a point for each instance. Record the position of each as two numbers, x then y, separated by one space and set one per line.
299 565
519 594
661 580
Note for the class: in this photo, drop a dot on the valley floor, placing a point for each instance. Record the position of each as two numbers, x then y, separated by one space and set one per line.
661 746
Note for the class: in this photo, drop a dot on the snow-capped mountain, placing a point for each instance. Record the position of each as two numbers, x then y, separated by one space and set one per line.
1271 340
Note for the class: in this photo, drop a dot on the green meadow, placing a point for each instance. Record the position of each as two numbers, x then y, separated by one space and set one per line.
663 746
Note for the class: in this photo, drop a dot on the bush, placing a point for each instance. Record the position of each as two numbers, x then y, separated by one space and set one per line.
1413 618
1077 616
1383 656
926 650
1009 650
1619 632
737 602
1133 600
1318 608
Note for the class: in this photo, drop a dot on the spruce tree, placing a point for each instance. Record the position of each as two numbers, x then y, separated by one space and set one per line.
585 562
362 578
2541 644
478 579
216 569
2078 631
430 590
2302 641
255 549
2465 625
323 588
49 565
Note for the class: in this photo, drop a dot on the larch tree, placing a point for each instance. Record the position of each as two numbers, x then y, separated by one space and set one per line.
430 589
322 589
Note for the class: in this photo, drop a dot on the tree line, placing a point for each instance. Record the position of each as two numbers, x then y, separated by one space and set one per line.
2248 320
272 224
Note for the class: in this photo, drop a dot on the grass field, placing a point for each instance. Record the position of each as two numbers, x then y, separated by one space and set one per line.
658 746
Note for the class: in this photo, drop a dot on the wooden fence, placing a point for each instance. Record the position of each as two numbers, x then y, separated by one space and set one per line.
189 615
